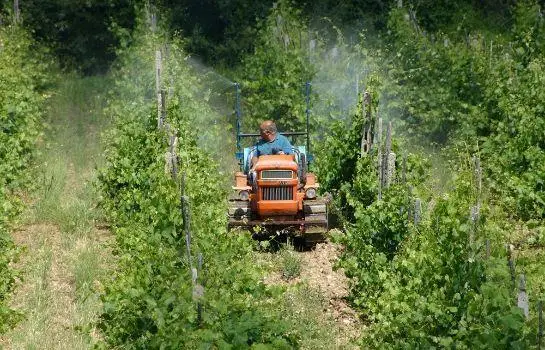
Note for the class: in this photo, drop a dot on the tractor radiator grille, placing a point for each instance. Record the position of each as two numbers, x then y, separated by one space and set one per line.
276 174
277 193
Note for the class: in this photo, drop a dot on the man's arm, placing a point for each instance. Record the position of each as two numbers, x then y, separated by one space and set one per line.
255 155
286 146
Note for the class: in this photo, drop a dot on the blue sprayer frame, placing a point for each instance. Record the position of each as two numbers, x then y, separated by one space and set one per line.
242 154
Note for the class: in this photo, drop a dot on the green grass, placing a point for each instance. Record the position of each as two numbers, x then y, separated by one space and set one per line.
72 151
86 268
304 307
67 257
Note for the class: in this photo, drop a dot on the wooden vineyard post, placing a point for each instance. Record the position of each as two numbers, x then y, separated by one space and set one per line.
370 122
522 298
174 158
184 209
511 264
158 69
540 324
367 130
474 217
409 204
379 156
391 169
475 214
475 210
478 178
363 145
16 11
388 162
171 167
404 169
153 23
161 109
171 159
384 161
417 211
198 289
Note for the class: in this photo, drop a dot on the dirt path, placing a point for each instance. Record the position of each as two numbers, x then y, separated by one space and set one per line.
65 256
318 271
318 293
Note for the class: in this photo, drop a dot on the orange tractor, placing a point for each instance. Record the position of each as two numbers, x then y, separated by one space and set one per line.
277 194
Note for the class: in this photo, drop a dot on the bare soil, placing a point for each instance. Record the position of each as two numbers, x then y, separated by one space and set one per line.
317 270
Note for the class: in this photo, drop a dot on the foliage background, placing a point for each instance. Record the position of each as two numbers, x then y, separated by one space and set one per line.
457 79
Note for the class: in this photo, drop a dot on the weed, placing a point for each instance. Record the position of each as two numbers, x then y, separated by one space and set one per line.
304 307
291 262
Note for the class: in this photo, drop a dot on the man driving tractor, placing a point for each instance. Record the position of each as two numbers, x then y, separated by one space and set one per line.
275 191
271 141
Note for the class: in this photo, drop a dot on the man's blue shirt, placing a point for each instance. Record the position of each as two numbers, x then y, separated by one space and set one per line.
280 143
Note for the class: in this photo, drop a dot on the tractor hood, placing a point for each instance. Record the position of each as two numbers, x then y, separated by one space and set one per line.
277 161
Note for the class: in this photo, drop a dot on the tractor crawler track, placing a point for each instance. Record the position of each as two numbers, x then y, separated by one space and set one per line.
312 226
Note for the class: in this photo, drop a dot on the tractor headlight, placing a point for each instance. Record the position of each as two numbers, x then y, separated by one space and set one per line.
244 195
310 193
